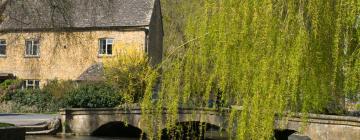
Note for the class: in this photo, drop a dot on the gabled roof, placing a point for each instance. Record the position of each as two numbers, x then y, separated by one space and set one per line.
50 14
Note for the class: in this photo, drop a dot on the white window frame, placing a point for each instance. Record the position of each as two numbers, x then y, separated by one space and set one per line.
107 42
3 45
31 84
31 54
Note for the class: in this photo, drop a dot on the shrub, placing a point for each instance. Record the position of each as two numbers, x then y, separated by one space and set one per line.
43 101
9 85
91 95
57 88
127 73
13 107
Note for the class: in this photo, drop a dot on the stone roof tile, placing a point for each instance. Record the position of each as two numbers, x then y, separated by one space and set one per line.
93 73
50 14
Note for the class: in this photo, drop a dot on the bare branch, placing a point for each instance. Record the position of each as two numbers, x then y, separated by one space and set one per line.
2 8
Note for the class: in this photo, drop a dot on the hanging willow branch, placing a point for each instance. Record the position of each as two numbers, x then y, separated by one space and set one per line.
268 56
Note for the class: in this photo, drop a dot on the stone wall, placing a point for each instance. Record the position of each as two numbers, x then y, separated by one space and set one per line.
84 121
63 55
324 127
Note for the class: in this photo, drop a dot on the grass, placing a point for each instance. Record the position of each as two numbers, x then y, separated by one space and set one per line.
5 125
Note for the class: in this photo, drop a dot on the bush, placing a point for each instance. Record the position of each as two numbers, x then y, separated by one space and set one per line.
57 88
91 95
9 85
42 101
60 94
127 73
13 107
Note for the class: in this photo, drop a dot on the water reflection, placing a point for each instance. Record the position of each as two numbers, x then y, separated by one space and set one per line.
74 138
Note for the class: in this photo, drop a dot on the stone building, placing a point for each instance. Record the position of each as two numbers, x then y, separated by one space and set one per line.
69 39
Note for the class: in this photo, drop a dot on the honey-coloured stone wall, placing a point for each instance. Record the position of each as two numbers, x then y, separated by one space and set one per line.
63 55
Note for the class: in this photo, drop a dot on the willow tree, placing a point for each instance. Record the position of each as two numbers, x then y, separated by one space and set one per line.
268 56
175 14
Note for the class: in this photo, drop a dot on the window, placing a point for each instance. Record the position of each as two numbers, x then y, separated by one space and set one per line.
105 46
2 47
31 84
32 48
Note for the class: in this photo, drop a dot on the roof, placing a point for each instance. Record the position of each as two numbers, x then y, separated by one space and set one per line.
50 14
93 73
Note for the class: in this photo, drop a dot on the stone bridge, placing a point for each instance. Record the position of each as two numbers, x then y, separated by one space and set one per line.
83 121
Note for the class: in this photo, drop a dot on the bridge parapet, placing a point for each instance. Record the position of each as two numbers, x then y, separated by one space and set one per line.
84 121
324 127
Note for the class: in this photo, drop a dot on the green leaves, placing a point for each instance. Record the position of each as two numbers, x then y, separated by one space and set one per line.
128 73
270 57
92 95
43 101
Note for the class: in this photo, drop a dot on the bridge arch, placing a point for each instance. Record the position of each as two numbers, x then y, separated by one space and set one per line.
285 134
189 129
118 129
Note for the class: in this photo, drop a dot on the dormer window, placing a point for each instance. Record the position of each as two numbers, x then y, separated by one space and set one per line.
2 48
105 46
32 48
